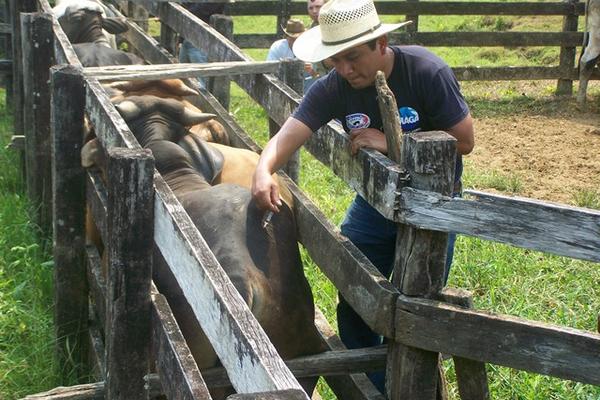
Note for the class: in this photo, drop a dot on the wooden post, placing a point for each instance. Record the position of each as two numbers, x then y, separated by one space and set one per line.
414 27
38 50
8 77
130 247
290 72
138 14
429 158
16 8
567 54
220 87
168 37
70 283
284 15
471 375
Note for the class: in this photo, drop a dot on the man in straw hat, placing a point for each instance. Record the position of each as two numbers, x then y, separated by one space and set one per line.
353 39
282 49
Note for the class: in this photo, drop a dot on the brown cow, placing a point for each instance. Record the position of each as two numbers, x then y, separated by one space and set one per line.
263 264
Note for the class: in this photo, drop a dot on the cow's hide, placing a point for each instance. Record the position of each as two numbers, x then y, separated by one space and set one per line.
97 55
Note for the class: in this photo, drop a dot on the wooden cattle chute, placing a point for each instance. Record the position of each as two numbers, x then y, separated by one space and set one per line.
415 313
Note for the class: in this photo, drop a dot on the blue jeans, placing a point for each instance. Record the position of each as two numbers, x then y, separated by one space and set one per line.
375 236
190 54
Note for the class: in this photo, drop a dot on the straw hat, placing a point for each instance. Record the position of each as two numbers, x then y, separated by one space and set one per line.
342 24
293 28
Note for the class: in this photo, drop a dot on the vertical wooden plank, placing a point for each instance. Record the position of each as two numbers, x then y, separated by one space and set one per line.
414 27
8 77
130 247
420 255
38 51
138 14
283 16
168 37
68 183
16 8
567 54
471 375
220 86
291 73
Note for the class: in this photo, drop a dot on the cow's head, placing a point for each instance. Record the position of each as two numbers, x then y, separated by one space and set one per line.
84 21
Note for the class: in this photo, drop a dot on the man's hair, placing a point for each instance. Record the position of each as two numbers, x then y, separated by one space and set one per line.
372 43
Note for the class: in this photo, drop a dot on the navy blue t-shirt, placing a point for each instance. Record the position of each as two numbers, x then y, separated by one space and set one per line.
427 93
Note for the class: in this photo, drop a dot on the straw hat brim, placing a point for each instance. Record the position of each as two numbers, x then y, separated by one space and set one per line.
310 48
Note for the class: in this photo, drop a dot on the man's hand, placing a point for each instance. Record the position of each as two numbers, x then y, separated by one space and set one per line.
367 137
265 190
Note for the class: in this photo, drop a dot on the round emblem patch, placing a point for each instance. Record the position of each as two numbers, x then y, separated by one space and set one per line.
409 119
357 121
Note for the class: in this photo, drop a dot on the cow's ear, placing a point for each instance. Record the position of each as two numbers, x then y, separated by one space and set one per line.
115 25
128 110
92 155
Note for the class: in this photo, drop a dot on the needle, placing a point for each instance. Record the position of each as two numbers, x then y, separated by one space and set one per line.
267 219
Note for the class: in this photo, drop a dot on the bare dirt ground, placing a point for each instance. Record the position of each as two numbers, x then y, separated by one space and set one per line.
548 142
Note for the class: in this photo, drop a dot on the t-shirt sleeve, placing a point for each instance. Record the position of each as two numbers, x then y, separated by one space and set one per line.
317 107
445 105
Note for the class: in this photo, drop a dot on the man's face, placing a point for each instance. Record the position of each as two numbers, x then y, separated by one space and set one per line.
314 6
358 65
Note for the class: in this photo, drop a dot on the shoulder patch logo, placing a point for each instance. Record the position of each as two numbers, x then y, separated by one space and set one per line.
358 120
409 119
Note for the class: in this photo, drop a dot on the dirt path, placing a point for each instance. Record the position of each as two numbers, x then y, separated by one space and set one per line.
550 145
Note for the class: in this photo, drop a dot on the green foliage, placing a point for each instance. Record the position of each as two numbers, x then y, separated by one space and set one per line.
587 198
26 331
508 183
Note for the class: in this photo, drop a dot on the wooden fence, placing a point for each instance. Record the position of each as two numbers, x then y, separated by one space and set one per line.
568 39
420 319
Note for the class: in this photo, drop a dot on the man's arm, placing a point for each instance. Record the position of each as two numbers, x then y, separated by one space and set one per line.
464 134
375 139
280 148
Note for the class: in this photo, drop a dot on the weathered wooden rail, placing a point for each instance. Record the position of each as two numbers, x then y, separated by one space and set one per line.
414 313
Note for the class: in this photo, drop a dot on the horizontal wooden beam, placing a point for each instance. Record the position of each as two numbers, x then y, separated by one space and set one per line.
499 339
502 39
533 224
252 7
166 71
347 387
329 363
445 39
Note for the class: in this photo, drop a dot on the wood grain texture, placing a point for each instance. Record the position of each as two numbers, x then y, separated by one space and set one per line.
179 375
130 249
37 50
499 339
533 224
70 283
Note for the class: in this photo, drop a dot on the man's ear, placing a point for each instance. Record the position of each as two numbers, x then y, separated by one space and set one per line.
382 42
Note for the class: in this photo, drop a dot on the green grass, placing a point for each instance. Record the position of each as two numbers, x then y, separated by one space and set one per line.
26 330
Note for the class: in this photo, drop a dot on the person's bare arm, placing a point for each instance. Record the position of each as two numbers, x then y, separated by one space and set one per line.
290 137
464 134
